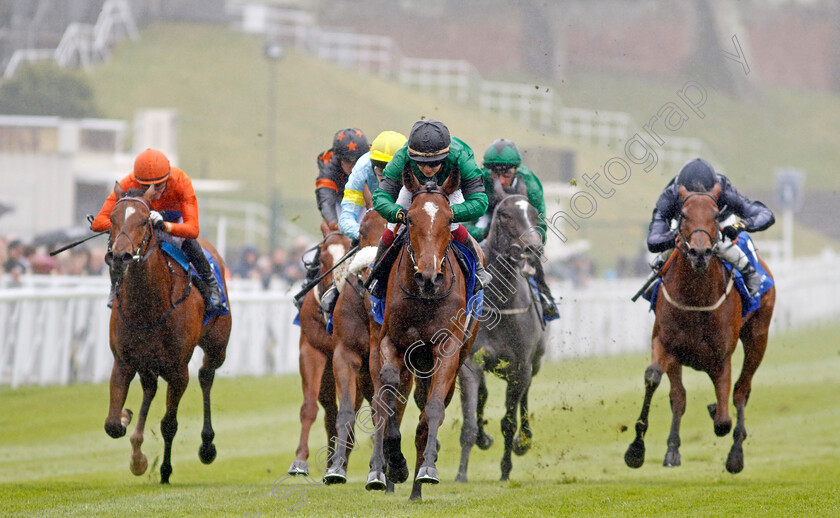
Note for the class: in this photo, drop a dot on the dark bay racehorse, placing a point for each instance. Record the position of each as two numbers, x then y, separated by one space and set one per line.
156 322
511 345
427 332
316 353
698 323
354 328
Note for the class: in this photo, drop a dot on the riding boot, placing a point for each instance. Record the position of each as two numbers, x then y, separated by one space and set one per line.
656 266
313 271
373 284
329 298
732 254
549 307
196 256
482 276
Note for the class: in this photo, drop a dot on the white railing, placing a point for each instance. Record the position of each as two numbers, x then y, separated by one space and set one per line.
532 106
89 42
54 330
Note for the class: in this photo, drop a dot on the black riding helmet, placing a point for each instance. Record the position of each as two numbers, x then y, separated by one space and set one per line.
697 175
428 141
349 144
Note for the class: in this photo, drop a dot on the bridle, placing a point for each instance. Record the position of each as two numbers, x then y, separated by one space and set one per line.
411 256
682 241
147 235
514 253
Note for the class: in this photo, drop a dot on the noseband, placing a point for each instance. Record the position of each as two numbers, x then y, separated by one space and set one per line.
683 242
147 235
443 260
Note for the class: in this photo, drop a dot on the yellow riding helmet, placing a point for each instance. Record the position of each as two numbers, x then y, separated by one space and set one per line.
385 145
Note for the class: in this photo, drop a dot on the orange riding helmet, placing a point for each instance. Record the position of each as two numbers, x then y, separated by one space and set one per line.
151 166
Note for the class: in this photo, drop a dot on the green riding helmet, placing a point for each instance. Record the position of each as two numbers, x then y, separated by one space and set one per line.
502 152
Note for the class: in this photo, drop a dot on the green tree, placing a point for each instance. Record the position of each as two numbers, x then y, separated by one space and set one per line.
45 89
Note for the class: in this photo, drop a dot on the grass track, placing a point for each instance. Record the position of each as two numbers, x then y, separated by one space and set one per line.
56 460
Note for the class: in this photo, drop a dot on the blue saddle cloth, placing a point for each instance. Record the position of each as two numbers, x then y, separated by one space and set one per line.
475 304
748 304
181 258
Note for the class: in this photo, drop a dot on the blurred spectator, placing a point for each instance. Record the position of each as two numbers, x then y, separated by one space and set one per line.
15 264
96 266
78 261
43 263
247 265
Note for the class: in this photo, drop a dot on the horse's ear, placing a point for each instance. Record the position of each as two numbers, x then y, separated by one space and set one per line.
716 190
410 181
499 193
325 228
147 196
453 181
118 192
683 192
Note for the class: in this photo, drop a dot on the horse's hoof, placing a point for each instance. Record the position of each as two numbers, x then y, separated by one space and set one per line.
299 467
207 453
735 461
672 459
138 464
397 472
427 475
125 417
521 444
635 455
484 441
375 481
335 476
461 477
114 430
722 429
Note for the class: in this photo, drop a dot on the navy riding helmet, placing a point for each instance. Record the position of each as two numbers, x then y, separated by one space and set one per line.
697 175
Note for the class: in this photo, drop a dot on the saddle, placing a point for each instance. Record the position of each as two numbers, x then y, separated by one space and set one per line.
175 253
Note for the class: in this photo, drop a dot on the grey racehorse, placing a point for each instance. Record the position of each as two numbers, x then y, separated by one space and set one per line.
511 344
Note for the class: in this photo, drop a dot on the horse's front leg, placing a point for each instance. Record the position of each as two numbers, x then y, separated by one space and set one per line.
441 388
138 458
522 442
719 412
518 377
312 364
119 418
468 375
346 366
672 456
635 455
387 414
169 423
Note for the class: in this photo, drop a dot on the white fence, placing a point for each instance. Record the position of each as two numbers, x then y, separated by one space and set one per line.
83 44
54 330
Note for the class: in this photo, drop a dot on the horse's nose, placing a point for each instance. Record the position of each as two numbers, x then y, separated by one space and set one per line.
119 262
700 256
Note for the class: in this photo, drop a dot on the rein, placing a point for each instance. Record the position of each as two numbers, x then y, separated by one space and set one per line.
682 242
413 296
147 235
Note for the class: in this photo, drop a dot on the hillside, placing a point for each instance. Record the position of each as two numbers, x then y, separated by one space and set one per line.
217 79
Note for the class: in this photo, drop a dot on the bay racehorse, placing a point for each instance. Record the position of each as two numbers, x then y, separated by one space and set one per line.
353 367
511 344
156 323
698 323
316 353
427 332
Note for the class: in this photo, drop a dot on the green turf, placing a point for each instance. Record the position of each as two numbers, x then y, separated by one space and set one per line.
56 460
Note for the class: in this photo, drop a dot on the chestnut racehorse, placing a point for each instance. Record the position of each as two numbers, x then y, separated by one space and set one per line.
698 323
427 332
316 353
353 367
156 322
